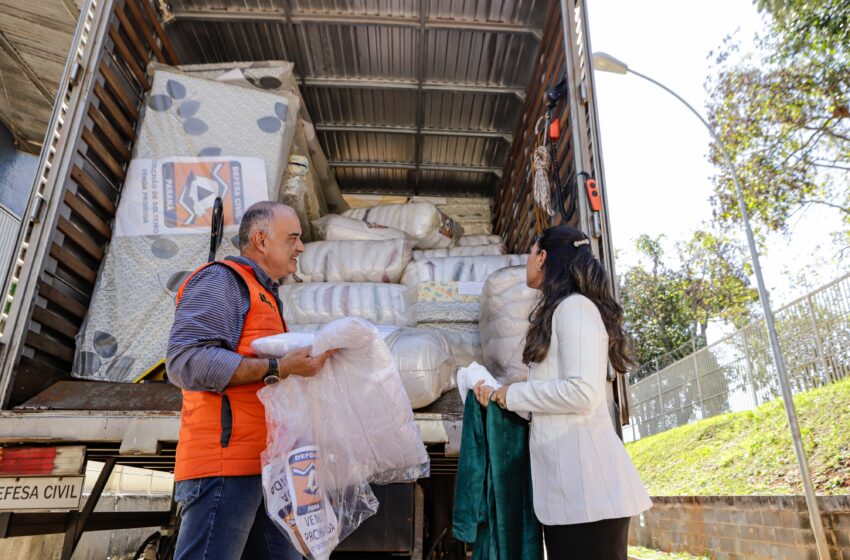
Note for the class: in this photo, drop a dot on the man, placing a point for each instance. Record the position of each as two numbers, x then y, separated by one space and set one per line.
221 308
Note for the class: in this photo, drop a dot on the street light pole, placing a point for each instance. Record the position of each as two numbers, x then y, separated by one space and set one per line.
607 63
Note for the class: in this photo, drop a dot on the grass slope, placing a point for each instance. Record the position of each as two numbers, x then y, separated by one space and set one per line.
750 453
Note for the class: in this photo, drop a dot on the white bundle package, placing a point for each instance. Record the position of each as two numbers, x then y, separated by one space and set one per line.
479 239
425 363
323 302
352 261
464 251
464 339
320 459
339 228
424 357
505 305
458 269
431 228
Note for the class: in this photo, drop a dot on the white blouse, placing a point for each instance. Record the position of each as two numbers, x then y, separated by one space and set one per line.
579 467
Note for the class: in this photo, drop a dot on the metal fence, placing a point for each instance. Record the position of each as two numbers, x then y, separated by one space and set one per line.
737 373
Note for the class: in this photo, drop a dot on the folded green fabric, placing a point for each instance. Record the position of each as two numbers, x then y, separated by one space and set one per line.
493 501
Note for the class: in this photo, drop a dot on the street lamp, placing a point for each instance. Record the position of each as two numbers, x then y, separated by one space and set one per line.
606 63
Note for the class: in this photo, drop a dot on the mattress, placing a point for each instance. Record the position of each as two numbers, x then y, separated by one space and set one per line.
423 221
197 139
352 261
382 304
465 251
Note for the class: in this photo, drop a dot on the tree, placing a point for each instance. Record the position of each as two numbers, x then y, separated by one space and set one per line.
784 116
667 308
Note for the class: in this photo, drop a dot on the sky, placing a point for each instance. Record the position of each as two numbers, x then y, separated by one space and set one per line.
655 151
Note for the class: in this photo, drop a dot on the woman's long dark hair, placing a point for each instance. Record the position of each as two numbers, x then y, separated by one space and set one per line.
574 270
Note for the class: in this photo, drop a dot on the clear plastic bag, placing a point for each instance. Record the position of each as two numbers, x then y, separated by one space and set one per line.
320 459
322 302
340 228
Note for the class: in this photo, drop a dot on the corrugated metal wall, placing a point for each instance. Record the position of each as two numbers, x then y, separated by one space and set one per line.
9 224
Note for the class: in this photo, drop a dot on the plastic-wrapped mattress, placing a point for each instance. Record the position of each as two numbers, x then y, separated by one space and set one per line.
458 269
505 305
466 251
423 221
197 139
340 228
447 302
352 261
469 240
382 304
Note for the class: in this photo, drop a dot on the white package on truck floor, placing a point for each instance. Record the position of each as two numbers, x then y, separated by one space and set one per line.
431 228
383 304
505 305
352 261
198 139
320 459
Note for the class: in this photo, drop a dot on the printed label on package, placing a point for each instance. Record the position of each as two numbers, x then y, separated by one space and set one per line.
176 196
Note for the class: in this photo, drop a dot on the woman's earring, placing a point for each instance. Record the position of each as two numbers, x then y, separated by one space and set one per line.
539 267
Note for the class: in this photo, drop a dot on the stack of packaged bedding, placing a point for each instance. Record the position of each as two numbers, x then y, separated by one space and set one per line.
198 139
506 302
473 213
355 271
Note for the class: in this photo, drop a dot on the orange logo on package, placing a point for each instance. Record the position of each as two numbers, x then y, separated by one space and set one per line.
191 187
303 468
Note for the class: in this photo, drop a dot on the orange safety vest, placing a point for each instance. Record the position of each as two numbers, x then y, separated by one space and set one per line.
223 434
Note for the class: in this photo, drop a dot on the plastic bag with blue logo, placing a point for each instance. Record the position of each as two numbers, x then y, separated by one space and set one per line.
331 435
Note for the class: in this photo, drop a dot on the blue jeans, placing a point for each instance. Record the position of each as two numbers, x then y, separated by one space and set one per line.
224 518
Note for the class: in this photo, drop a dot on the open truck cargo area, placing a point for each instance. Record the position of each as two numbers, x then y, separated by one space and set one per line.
410 97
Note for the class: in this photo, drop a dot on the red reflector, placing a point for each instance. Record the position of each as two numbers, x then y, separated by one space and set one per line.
27 460
555 130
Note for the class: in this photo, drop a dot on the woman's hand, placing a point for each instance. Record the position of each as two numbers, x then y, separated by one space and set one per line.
501 396
483 393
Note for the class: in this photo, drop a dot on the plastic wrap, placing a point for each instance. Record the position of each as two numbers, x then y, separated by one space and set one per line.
461 251
352 261
385 304
464 339
423 221
505 305
195 137
447 302
320 459
425 363
469 240
340 228
424 357
458 269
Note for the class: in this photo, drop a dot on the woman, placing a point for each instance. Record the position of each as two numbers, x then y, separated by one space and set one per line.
585 485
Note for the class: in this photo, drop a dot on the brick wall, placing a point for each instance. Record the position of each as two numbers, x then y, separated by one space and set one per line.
742 527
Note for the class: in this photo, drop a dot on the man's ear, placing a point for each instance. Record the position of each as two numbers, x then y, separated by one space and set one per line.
258 240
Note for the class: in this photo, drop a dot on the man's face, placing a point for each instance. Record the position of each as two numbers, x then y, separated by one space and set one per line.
283 249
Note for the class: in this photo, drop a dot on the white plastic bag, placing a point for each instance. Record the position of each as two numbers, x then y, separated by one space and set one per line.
320 459
340 228
479 239
425 364
505 305
461 251
352 261
423 357
384 304
431 228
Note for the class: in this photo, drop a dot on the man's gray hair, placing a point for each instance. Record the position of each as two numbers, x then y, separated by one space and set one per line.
258 216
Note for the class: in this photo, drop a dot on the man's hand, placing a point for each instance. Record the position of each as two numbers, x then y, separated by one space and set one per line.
300 362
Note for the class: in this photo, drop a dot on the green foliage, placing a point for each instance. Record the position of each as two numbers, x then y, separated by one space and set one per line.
784 115
750 453
665 308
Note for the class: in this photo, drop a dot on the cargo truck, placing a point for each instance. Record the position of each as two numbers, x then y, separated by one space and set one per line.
428 97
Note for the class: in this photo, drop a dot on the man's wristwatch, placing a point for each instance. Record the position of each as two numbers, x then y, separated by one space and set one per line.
273 373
